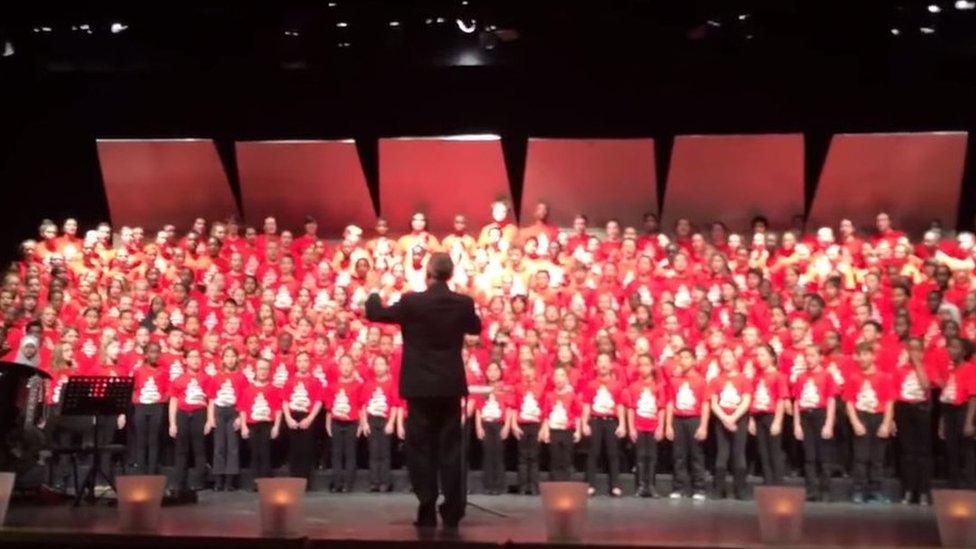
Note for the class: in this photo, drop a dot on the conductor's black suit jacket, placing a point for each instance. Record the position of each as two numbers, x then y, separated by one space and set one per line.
434 323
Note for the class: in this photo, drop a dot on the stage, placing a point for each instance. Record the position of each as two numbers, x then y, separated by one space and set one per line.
382 520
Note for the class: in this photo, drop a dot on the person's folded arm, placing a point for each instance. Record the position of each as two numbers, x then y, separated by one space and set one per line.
376 312
472 325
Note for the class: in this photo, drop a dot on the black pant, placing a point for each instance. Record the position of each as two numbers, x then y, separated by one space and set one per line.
731 444
816 451
148 420
301 448
189 433
560 454
869 452
379 452
259 439
685 447
227 442
603 439
770 449
840 453
645 452
528 456
434 449
493 457
914 423
343 453
960 453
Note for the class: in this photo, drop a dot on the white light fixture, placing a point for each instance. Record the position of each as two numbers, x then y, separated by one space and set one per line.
8 49
118 27
895 32
713 23
46 29
926 30
394 23
467 27
743 16
441 20
965 5
934 8
342 24
333 4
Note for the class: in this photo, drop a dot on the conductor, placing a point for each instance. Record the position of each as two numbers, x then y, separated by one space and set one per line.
432 381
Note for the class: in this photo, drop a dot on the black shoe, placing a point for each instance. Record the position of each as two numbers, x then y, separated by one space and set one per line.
374 488
909 498
857 498
812 496
219 483
333 488
825 497
533 490
879 498
652 493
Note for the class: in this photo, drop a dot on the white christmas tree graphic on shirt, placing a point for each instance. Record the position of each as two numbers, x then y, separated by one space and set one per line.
194 394
530 410
558 418
911 390
729 397
711 372
226 395
762 398
89 348
685 399
149 393
299 401
810 397
949 392
377 405
867 399
603 401
260 410
280 375
283 298
341 406
646 404
175 370
491 411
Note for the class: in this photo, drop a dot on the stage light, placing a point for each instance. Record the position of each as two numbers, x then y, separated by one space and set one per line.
955 513
291 33
333 4
934 8
713 23
342 24
118 27
564 504
140 499
8 51
780 513
394 23
440 20
895 32
6 487
344 45
467 28
926 30
743 16
281 504
965 5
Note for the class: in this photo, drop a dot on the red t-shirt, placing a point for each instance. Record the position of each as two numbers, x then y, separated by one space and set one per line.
959 385
260 404
528 402
688 392
173 363
730 390
647 399
769 389
151 385
189 390
813 390
301 393
603 397
907 387
227 388
343 399
870 393
492 407
380 398
561 409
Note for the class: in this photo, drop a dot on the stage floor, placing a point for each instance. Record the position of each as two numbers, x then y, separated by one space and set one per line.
386 518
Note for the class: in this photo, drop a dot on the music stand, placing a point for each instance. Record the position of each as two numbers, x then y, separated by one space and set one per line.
465 427
95 396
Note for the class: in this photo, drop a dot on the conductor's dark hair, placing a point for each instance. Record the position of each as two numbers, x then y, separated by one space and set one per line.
441 267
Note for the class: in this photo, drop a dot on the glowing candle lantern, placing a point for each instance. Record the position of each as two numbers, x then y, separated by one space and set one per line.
140 499
780 513
955 512
564 504
6 487
282 506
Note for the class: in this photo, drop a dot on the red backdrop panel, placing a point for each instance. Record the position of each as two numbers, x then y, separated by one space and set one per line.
603 178
441 176
154 182
915 177
732 178
292 179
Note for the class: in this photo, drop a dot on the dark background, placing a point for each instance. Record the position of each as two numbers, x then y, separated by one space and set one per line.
606 68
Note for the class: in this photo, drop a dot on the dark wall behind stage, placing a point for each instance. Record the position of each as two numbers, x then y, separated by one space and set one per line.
784 82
